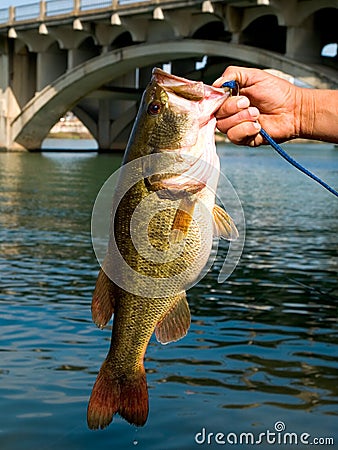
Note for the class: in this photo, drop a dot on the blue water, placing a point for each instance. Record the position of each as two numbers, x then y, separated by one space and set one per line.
262 347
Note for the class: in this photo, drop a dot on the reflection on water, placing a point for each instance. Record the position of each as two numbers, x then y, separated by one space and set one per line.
262 346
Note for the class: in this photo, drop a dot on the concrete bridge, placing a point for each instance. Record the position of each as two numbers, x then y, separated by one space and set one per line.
94 57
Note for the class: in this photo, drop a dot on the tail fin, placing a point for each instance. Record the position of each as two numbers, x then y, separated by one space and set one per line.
126 395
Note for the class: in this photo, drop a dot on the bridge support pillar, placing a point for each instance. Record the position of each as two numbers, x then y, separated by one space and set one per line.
9 107
4 122
103 126
48 67
302 44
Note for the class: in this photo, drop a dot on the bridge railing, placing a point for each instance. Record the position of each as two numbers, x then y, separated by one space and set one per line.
25 12
94 4
53 8
56 7
4 15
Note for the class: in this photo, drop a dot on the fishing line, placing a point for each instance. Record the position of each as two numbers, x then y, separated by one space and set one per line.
233 86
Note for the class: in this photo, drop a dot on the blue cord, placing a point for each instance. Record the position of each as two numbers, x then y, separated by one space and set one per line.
233 85
296 164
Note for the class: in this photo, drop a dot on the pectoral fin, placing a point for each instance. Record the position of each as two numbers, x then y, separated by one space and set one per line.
224 226
182 220
175 323
103 300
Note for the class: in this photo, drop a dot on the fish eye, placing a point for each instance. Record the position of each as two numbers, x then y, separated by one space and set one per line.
154 108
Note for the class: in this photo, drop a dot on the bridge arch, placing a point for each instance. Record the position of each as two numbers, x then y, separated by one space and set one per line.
214 30
123 39
31 126
312 7
259 31
315 28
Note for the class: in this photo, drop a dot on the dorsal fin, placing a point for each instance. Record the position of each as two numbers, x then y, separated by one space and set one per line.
103 300
224 226
175 323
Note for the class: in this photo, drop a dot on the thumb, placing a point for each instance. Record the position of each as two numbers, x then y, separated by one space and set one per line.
244 76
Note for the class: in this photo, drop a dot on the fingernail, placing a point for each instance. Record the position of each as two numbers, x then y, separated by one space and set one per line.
254 113
257 125
243 102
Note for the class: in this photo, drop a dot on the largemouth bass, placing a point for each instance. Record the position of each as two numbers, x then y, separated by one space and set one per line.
163 222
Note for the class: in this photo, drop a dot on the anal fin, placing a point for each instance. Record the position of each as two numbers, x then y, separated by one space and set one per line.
175 324
103 300
224 226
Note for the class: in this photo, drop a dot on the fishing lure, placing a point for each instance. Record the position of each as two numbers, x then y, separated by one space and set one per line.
234 87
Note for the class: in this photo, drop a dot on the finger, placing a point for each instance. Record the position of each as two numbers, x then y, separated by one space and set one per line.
245 76
233 105
246 133
250 114
231 73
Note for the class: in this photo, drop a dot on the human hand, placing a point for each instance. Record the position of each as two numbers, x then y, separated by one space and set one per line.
265 101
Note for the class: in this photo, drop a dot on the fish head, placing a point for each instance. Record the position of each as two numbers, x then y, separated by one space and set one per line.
177 123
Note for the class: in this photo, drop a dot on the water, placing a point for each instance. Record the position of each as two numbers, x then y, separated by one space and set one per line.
262 347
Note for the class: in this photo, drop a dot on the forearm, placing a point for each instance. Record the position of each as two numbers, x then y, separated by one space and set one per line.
317 116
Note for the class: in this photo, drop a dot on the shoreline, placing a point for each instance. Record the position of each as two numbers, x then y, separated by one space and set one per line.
218 137
69 135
